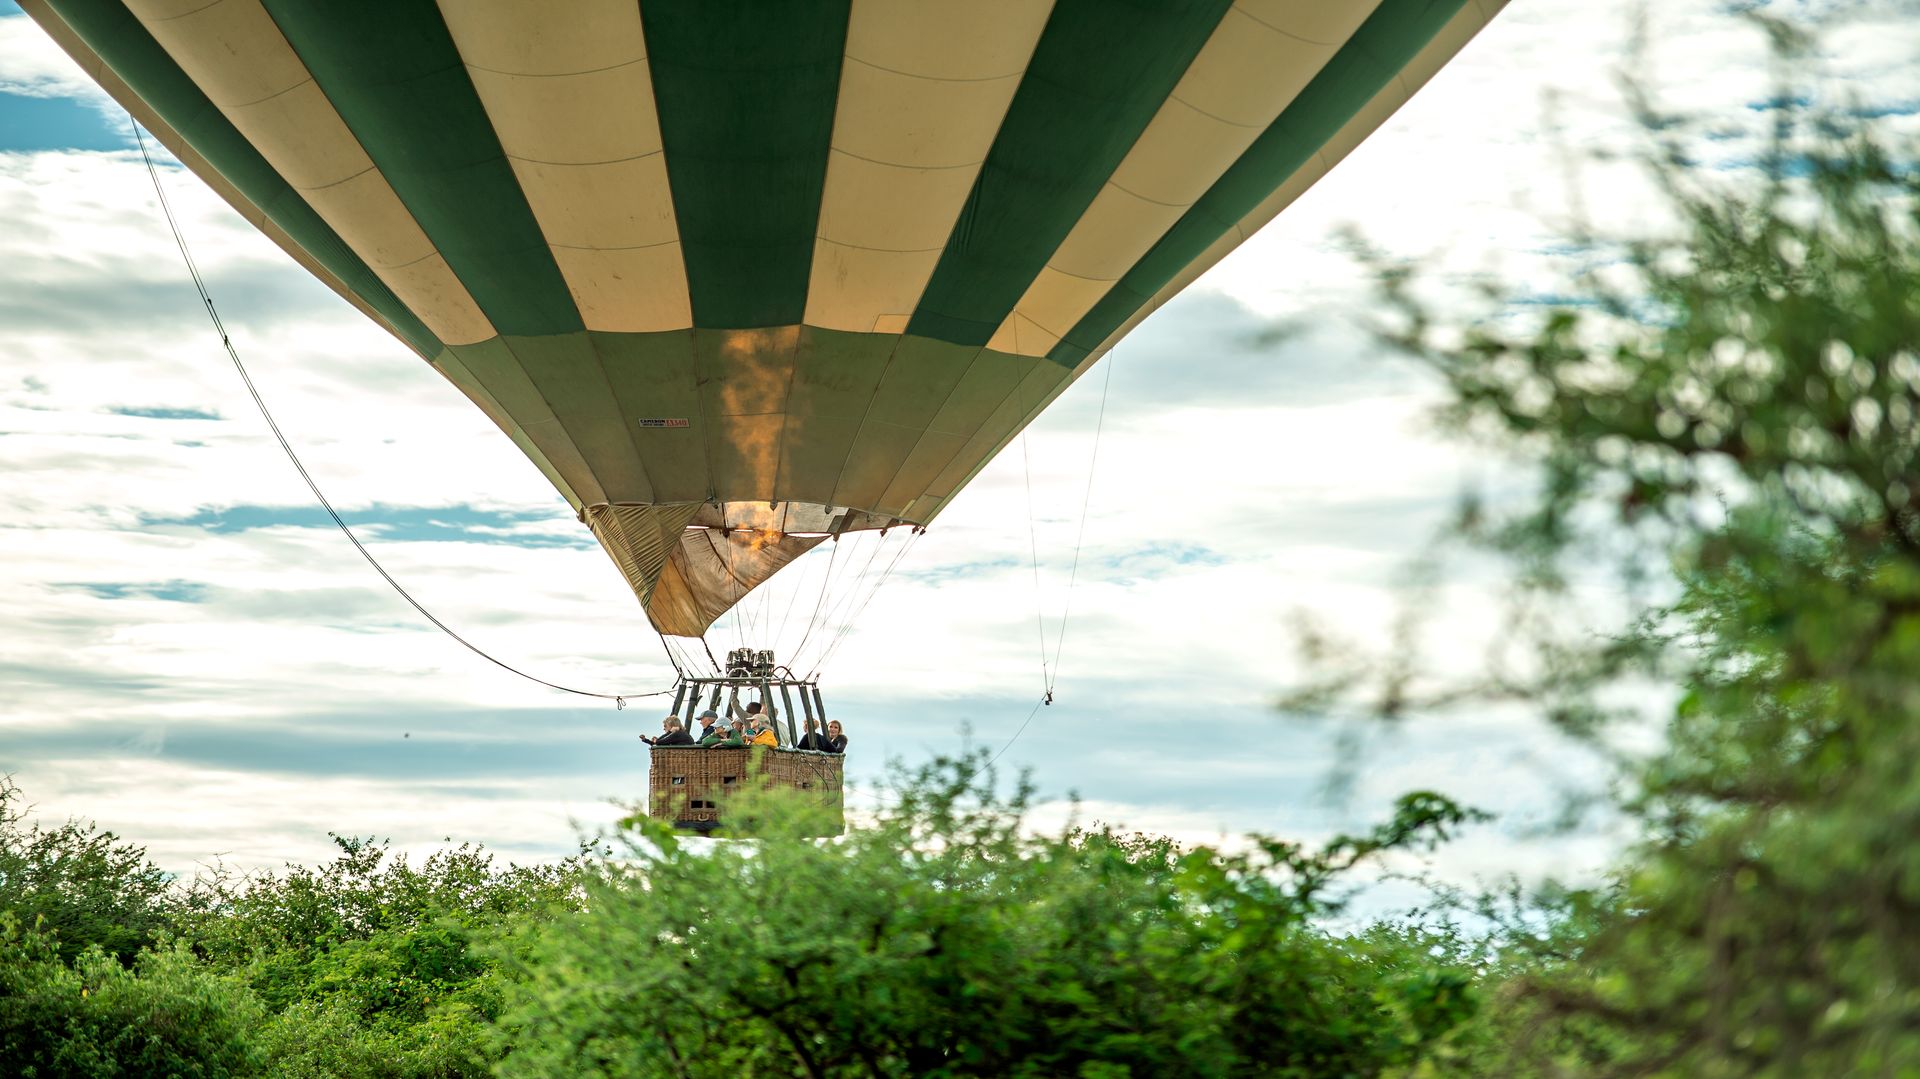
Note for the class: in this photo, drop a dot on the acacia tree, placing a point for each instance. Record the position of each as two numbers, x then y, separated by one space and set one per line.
1744 409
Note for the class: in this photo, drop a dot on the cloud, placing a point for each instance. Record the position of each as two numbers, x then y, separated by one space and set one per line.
196 658
460 524
166 413
1212 349
168 591
31 65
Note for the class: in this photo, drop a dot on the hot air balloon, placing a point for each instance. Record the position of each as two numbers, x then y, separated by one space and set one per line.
740 276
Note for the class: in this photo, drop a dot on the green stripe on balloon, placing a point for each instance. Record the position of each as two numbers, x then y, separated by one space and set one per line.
746 94
393 74
1391 37
112 32
1100 72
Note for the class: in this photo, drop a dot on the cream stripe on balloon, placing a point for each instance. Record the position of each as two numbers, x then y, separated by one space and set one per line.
1249 70
1473 16
1451 38
571 100
236 55
923 90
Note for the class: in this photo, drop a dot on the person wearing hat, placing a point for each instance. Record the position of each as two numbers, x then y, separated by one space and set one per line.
736 735
761 731
709 732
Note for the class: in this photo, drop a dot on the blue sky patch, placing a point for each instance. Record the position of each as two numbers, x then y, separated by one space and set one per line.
1553 299
172 591
399 524
30 123
1890 108
1155 559
166 413
958 570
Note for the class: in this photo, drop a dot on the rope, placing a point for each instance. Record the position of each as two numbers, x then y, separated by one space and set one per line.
814 619
206 298
847 628
837 592
1033 540
1086 503
1021 731
1066 610
680 673
793 597
848 596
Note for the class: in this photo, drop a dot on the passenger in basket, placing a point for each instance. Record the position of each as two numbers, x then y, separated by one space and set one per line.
836 741
813 739
762 732
736 734
672 734
710 732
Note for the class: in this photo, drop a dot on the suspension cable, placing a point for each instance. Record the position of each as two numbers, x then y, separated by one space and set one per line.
1086 503
1022 730
1033 541
853 619
819 601
226 342
1066 609
846 598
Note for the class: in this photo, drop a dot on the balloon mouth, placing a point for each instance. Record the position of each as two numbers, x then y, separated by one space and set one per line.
690 563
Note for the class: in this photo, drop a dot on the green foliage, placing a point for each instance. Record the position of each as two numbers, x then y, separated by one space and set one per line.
167 1015
943 939
374 966
79 885
365 966
1744 408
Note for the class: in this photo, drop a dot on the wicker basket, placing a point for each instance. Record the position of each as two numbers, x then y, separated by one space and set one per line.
689 784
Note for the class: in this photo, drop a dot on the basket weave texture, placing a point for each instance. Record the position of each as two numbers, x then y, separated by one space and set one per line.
688 784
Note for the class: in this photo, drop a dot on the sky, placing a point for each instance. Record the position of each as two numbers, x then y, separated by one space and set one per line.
195 658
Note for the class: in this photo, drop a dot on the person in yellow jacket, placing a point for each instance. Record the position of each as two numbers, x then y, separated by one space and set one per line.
760 732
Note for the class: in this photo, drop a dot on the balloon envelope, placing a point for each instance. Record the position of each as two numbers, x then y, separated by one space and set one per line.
739 276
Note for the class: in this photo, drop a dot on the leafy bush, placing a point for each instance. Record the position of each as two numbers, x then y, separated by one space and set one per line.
373 966
166 1015
943 940
365 966
79 885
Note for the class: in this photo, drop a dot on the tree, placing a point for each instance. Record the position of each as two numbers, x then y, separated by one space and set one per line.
942 939
372 966
166 1014
1746 411
77 884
